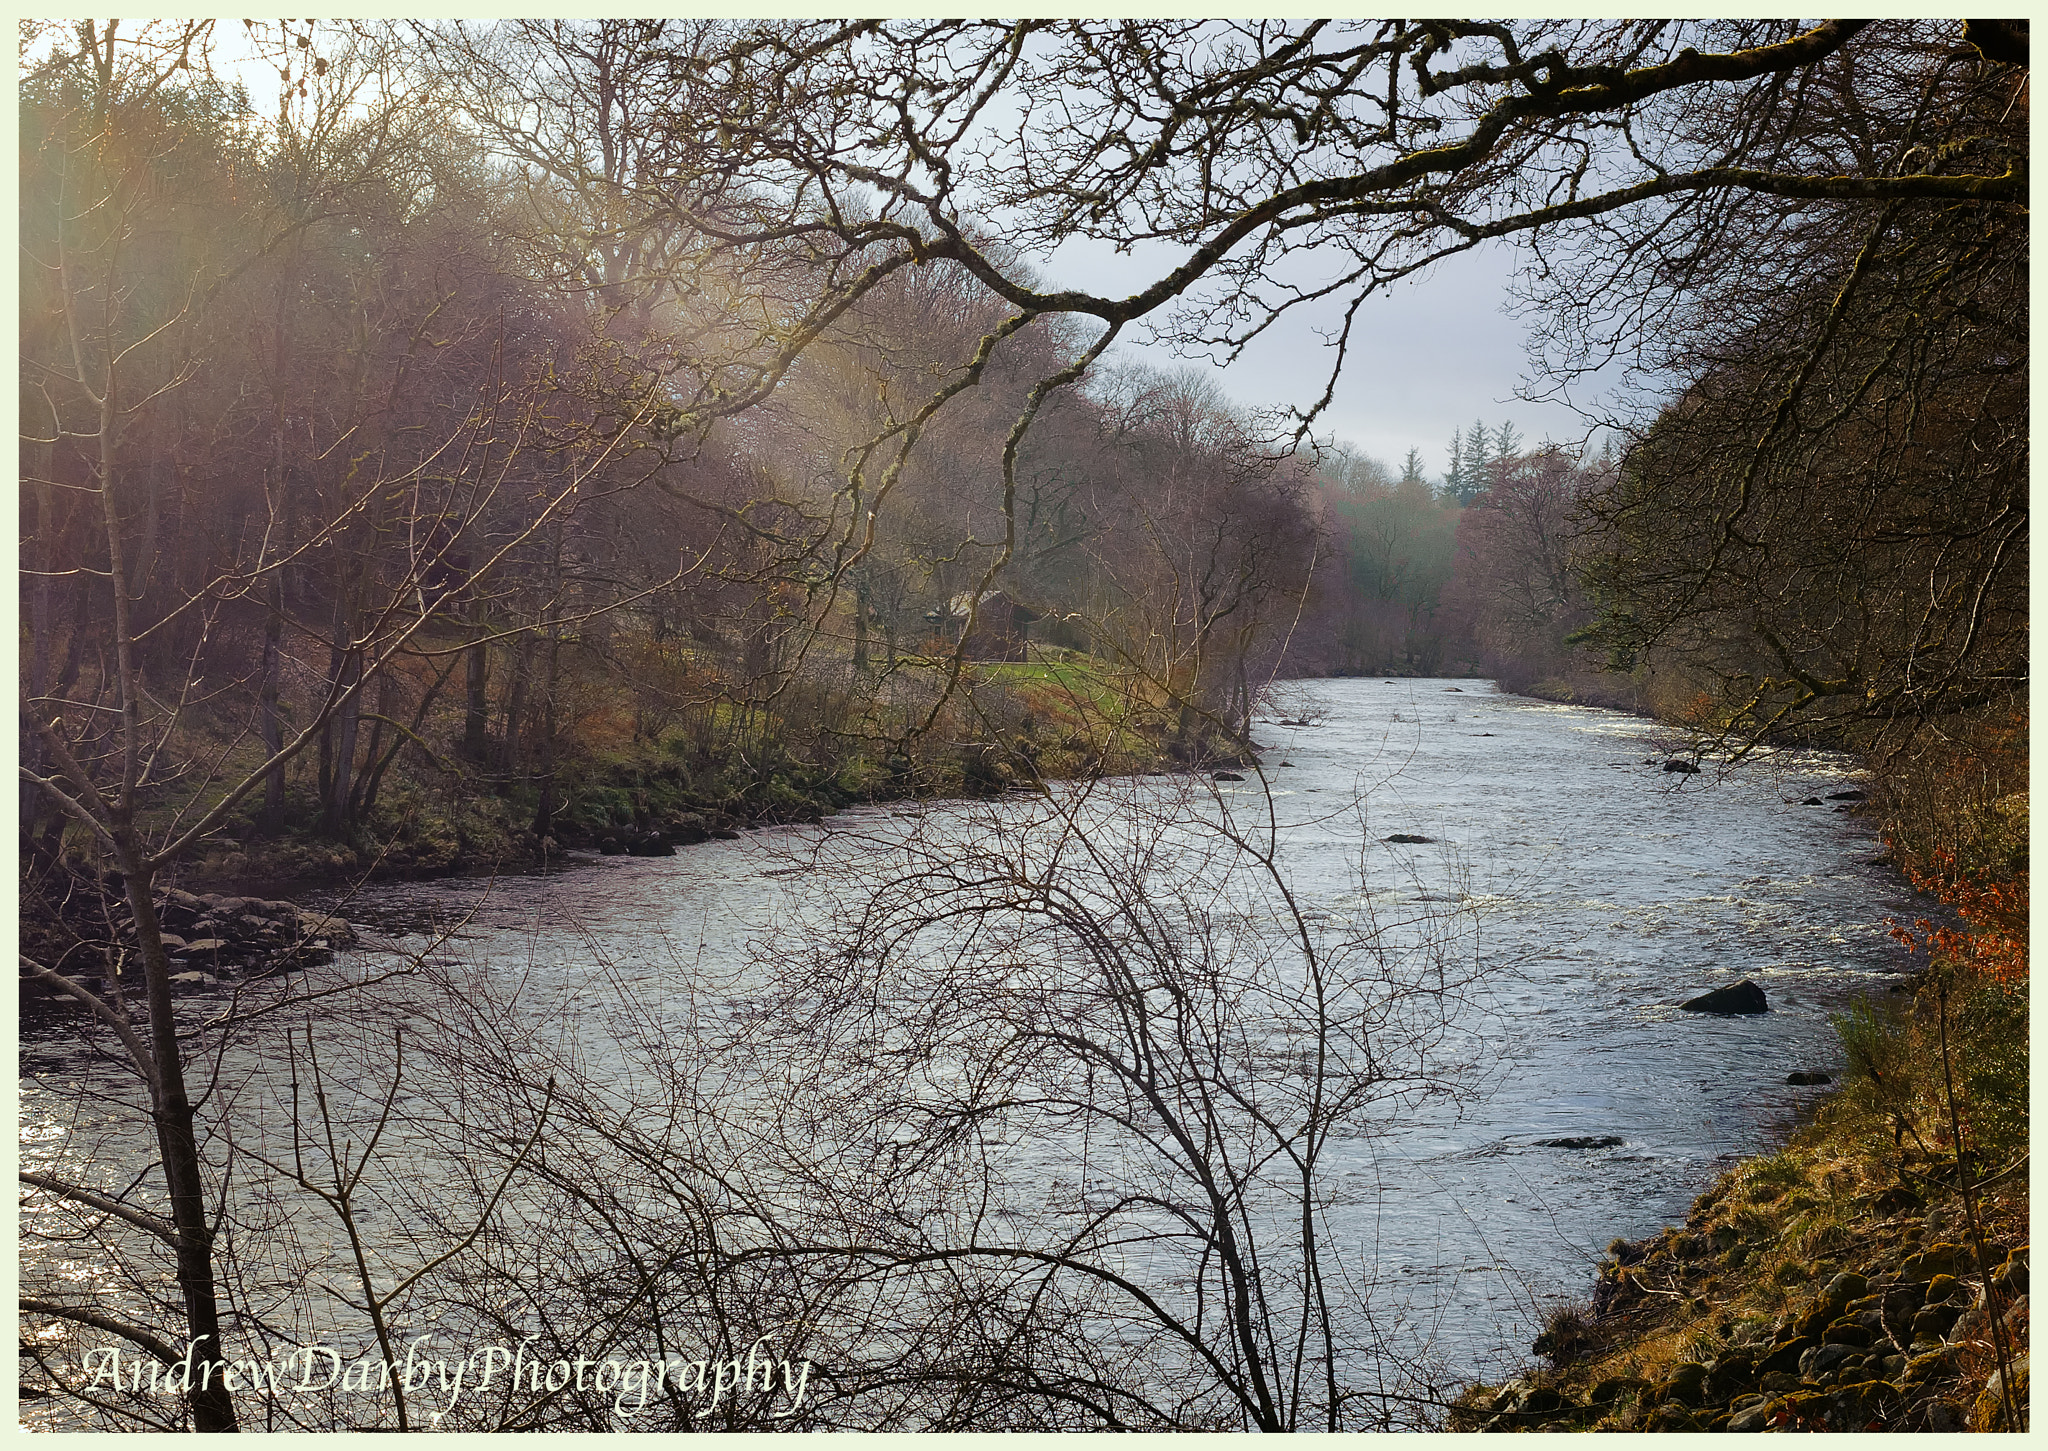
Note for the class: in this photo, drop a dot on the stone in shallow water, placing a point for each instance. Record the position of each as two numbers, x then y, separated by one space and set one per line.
1588 1141
1744 997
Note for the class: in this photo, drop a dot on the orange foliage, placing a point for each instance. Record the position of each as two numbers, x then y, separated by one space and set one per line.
1701 710
1996 944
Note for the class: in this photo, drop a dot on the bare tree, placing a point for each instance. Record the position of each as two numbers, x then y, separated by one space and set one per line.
1523 546
1820 525
1380 145
398 512
1206 549
1089 1065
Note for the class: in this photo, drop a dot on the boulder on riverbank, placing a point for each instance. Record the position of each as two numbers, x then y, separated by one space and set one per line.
1744 997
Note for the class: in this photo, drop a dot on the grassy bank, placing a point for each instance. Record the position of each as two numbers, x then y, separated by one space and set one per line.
615 784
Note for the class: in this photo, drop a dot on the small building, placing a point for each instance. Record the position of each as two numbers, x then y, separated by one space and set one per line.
1001 625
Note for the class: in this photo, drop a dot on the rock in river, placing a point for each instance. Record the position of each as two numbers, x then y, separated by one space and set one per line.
1806 1078
1588 1141
1683 767
1408 838
1744 997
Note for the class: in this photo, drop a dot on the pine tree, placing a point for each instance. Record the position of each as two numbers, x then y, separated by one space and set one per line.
1478 458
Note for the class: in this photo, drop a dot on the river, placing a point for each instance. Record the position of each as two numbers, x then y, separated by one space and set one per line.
1595 890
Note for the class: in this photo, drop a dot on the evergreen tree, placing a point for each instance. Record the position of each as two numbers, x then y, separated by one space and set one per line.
1478 462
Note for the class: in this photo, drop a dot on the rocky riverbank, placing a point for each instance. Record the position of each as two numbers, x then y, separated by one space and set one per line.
647 802
210 937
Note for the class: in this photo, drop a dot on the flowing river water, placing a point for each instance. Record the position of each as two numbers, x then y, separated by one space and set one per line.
1598 890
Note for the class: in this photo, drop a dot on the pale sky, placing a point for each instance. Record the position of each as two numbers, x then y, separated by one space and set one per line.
1425 359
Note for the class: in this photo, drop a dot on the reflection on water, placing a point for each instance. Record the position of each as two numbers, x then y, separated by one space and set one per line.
1599 889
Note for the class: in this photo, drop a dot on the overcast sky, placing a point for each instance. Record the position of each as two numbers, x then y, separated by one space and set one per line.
1425 359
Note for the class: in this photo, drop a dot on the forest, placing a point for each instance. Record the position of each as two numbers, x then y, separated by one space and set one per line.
446 445
389 531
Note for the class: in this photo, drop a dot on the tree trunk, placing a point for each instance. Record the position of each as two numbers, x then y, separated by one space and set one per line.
544 811
515 709
476 713
363 792
1244 696
41 608
152 487
213 1409
270 724
860 630
346 717
170 1105
338 739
